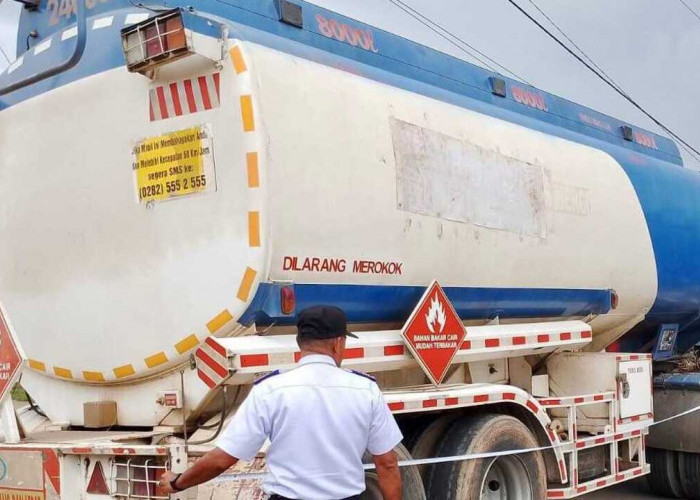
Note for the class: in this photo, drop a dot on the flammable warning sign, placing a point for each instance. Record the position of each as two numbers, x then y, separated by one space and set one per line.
20 495
175 164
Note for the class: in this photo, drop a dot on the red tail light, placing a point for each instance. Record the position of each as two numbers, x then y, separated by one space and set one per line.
614 299
153 42
288 300
175 34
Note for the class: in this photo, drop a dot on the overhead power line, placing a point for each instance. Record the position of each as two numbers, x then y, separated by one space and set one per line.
572 42
593 63
605 80
453 39
692 11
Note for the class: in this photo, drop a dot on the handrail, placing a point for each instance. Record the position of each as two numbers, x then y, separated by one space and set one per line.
81 23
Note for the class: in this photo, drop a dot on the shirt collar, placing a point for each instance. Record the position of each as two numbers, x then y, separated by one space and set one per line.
316 358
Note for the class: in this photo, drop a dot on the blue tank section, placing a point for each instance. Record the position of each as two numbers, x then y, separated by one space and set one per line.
669 194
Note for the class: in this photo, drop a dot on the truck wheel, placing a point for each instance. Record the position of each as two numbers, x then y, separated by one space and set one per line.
426 444
664 479
410 479
689 468
519 477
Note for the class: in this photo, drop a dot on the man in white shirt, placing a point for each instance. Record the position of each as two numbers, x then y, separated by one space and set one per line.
319 419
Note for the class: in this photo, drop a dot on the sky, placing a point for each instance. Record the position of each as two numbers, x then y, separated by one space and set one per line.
648 47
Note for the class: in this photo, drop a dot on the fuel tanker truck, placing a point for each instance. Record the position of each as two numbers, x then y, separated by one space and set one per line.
179 179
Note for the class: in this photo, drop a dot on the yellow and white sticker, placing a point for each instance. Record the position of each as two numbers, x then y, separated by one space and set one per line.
6 494
175 164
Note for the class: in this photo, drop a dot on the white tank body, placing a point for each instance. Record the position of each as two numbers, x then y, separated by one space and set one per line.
109 295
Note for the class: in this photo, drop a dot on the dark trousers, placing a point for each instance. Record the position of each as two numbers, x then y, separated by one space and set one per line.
275 496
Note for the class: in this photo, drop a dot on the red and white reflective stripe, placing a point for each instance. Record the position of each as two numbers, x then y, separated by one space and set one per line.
577 400
285 354
443 401
185 97
598 483
498 342
635 418
633 357
477 395
212 363
52 469
116 450
606 439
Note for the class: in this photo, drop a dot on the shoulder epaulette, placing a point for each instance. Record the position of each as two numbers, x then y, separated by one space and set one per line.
266 376
363 374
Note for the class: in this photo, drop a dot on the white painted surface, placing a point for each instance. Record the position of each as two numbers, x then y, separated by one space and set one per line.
458 181
93 281
640 396
333 180
43 46
69 33
135 18
10 430
103 22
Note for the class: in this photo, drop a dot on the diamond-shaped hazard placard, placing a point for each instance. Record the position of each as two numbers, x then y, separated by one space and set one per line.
434 333
10 358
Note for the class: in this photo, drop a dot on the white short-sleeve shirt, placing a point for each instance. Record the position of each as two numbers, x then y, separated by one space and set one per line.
320 419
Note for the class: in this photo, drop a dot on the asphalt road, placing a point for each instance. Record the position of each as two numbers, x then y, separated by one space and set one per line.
636 489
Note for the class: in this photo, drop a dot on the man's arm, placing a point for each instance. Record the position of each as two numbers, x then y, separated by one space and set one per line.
208 467
389 475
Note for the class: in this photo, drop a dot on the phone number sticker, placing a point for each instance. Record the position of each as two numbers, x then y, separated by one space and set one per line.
173 165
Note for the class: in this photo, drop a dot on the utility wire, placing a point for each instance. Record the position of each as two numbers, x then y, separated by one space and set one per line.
690 9
572 42
226 477
593 63
407 11
451 37
609 83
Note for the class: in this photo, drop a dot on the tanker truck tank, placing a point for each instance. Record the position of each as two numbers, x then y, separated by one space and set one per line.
305 167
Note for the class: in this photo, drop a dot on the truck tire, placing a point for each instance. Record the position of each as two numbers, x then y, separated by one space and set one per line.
664 479
512 477
426 444
410 479
689 469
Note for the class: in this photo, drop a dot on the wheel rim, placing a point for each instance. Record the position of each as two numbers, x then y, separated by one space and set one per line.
372 490
506 478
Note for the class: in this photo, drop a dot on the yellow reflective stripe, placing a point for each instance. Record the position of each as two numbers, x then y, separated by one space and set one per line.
124 371
237 59
246 284
93 376
62 372
186 344
156 359
253 172
37 365
247 113
254 229
217 323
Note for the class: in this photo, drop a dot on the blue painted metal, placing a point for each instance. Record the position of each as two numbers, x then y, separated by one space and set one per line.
370 303
72 61
678 381
669 195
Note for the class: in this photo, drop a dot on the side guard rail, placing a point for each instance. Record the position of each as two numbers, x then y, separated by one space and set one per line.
239 360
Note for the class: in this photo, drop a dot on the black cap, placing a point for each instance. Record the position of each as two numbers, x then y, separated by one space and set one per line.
323 322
